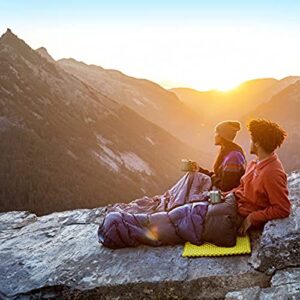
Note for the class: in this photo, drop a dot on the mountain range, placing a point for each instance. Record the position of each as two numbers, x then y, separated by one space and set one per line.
147 98
75 135
215 106
64 144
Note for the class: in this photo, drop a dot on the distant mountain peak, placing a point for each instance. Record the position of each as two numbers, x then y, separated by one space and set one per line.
44 53
8 31
8 34
71 60
11 39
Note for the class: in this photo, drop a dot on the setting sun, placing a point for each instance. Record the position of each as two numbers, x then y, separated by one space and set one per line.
224 87
205 51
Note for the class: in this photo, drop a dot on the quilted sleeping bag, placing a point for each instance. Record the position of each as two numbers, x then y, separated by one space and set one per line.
183 223
182 214
172 218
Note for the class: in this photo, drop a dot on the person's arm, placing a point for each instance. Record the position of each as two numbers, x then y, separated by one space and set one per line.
205 171
277 191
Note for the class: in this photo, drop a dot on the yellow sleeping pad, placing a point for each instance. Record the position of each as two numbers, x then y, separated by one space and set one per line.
242 246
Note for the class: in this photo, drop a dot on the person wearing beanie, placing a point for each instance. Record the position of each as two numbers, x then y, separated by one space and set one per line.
230 163
228 129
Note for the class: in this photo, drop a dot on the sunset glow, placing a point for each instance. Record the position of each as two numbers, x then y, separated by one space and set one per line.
174 44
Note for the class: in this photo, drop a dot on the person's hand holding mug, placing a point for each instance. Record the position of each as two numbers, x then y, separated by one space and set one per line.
223 195
194 166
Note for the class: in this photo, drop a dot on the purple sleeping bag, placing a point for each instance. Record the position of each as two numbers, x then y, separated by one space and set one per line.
183 223
173 218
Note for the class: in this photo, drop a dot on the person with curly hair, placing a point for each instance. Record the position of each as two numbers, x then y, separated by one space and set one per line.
263 193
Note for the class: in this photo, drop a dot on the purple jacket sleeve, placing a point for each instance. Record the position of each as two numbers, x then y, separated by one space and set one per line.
233 168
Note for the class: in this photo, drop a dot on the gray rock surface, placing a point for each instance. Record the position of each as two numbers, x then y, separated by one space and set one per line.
285 284
57 256
280 241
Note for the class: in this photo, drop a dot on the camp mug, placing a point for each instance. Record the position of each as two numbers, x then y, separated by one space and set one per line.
186 165
215 197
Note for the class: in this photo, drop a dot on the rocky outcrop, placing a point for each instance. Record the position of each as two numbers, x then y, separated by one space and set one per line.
285 284
57 256
280 241
278 254
44 53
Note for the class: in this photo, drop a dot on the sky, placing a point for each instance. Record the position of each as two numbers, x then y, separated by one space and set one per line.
198 44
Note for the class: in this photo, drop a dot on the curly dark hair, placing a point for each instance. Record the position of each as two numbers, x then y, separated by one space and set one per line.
268 134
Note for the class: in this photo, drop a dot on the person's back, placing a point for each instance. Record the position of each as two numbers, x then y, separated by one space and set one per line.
230 171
